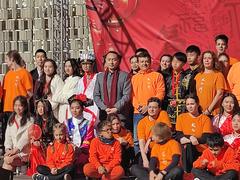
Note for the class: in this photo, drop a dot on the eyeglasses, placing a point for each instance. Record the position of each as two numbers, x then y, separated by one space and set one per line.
106 130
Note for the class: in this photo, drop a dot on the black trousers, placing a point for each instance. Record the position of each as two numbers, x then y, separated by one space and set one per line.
3 125
46 171
6 174
203 174
143 173
127 157
189 155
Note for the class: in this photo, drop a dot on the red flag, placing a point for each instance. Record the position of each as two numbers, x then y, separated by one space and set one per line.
161 26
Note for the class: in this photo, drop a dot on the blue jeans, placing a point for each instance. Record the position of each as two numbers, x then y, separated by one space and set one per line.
136 118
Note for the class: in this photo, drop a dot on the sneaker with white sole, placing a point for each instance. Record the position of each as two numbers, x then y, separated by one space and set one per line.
37 176
67 177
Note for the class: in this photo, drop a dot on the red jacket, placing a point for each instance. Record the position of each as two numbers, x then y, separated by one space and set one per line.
226 160
101 154
59 155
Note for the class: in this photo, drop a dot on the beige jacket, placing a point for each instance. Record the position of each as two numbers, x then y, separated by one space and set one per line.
18 138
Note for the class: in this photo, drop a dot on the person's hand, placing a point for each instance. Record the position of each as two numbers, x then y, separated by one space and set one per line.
102 170
8 151
204 163
122 141
194 140
143 109
54 170
9 159
152 175
49 97
159 176
13 152
36 143
146 163
207 112
111 110
184 140
212 164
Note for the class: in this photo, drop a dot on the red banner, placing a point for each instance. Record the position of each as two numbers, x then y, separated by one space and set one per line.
161 26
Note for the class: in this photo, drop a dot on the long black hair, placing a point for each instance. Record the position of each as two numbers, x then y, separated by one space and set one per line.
75 67
39 86
25 115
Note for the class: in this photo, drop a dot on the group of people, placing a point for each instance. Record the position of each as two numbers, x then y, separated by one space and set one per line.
182 118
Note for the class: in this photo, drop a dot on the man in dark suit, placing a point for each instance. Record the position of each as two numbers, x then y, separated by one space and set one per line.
112 92
40 57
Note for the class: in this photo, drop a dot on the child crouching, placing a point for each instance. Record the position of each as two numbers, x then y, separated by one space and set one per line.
59 159
104 155
218 161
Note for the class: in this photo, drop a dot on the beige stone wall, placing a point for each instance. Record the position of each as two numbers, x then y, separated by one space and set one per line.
26 25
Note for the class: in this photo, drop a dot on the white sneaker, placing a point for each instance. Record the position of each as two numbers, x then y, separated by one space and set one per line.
67 177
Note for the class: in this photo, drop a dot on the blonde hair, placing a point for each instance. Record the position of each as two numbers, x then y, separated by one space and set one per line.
61 127
162 131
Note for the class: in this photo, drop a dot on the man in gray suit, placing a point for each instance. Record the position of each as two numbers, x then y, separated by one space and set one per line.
112 92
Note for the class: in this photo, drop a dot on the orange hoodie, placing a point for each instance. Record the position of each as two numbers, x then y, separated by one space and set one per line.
59 155
224 161
107 155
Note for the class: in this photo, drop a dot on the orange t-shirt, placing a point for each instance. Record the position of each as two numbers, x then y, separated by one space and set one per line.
207 85
59 155
125 134
165 152
234 80
144 128
194 126
145 85
16 83
233 60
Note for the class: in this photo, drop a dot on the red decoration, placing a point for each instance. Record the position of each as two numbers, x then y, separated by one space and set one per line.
81 97
161 26
34 132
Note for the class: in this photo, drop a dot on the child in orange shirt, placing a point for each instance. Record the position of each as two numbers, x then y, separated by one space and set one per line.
218 161
104 155
125 138
165 157
60 156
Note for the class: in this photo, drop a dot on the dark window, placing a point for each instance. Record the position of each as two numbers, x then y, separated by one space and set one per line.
47 34
76 32
46 23
10 36
9 14
18 14
25 46
16 24
18 35
74 11
25 24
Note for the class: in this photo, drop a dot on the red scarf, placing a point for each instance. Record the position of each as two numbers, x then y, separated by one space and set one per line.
109 102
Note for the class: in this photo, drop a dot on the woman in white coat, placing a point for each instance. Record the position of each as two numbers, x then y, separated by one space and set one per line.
16 137
69 88
49 85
